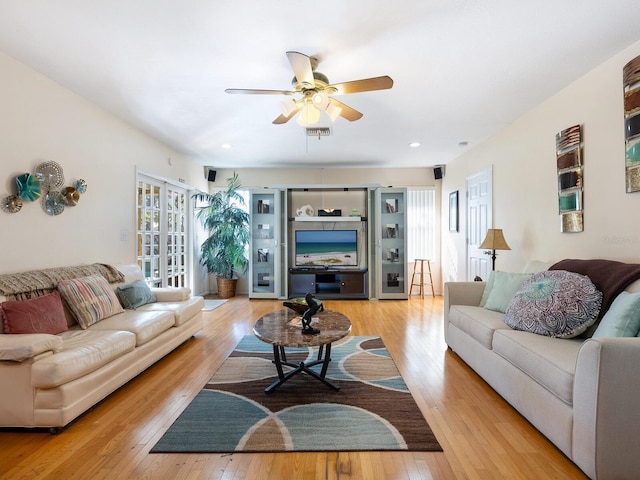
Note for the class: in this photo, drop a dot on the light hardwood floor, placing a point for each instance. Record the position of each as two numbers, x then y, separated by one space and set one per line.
482 436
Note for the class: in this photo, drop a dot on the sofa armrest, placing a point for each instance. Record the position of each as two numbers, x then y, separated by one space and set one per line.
606 417
171 294
19 347
461 293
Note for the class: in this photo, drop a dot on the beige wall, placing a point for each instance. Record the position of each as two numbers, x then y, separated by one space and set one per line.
525 180
42 121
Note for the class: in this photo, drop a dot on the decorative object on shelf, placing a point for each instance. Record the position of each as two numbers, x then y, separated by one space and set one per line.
631 88
355 213
453 211
12 204
329 212
71 196
226 222
305 211
314 306
81 186
50 175
28 187
493 241
569 165
53 203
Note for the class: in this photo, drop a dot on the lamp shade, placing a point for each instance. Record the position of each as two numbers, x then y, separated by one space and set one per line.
309 115
495 240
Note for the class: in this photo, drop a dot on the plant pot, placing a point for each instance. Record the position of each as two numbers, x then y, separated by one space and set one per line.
227 287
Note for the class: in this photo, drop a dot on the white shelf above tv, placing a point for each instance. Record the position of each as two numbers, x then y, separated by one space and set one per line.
328 219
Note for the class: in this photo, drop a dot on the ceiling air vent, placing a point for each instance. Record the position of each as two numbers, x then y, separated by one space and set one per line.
318 132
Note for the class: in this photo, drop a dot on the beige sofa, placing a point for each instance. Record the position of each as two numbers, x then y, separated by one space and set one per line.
582 394
49 380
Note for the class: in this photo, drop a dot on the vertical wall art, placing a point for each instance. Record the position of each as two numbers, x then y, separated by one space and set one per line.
569 163
631 84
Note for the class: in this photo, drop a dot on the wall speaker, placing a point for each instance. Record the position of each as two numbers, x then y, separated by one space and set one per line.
438 173
211 175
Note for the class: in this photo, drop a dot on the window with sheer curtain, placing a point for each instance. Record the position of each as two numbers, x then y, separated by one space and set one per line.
421 223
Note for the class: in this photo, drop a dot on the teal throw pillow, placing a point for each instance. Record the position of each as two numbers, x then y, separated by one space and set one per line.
487 289
135 295
623 317
505 286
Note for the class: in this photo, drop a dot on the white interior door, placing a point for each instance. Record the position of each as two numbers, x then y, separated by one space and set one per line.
479 207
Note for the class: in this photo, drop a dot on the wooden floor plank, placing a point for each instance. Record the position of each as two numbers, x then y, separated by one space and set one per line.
482 436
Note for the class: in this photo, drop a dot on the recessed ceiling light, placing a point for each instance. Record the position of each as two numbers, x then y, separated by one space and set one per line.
226 146
414 144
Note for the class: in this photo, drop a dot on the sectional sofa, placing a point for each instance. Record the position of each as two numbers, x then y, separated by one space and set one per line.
580 389
67 340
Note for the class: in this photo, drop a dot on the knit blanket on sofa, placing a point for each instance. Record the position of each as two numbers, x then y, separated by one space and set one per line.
34 283
609 276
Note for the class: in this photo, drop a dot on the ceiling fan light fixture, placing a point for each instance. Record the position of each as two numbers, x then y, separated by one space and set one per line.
333 112
320 100
309 115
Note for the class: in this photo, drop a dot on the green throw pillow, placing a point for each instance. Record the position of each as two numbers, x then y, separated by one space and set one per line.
623 317
135 295
505 286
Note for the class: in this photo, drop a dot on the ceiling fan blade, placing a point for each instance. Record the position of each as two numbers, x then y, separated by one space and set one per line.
346 112
301 65
365 85
252 91
285 118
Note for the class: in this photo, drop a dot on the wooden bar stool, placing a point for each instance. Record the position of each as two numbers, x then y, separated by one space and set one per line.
419 271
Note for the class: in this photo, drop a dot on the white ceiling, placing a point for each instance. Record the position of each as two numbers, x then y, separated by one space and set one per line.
462 69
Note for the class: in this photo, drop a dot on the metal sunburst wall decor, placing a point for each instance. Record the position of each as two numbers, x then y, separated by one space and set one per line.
44 183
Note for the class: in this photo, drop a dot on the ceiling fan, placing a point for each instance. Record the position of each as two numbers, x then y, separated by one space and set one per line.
316 93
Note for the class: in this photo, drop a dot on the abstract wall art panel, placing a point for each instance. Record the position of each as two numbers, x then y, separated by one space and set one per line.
570 190
631 89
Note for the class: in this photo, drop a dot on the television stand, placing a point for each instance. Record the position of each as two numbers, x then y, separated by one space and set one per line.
329 283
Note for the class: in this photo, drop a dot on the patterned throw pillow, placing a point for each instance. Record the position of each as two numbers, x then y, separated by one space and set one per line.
90 299
135 295
555 303
38 315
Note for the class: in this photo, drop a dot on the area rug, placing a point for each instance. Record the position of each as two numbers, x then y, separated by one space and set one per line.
212 305
373 410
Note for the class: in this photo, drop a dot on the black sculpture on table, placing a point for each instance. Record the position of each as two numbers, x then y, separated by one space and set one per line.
306 316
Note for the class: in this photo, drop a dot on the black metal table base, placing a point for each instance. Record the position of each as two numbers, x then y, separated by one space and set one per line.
280 359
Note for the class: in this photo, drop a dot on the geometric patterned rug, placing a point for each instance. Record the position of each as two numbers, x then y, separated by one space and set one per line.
373 410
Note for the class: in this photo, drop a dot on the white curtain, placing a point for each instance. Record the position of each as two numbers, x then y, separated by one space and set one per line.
421 223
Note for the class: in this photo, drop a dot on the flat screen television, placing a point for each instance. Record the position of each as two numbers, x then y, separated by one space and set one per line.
326 248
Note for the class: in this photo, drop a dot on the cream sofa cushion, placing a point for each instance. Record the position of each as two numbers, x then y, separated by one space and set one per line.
182 311
551 362
84 351
171 294
477 322
144 325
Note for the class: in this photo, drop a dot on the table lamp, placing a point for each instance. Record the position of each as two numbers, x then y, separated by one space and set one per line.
494 241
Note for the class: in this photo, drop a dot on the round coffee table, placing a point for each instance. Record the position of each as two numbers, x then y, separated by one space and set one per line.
284 329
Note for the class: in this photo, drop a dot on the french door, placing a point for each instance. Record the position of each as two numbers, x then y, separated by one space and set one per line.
162 232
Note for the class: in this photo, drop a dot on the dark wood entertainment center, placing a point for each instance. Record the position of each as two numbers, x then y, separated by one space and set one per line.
329 283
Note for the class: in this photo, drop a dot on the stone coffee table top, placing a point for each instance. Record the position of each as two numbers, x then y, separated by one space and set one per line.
284 329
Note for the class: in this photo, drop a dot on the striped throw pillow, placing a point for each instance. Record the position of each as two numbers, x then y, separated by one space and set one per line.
90 299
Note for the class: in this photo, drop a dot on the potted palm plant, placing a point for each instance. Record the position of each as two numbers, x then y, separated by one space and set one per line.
226 222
